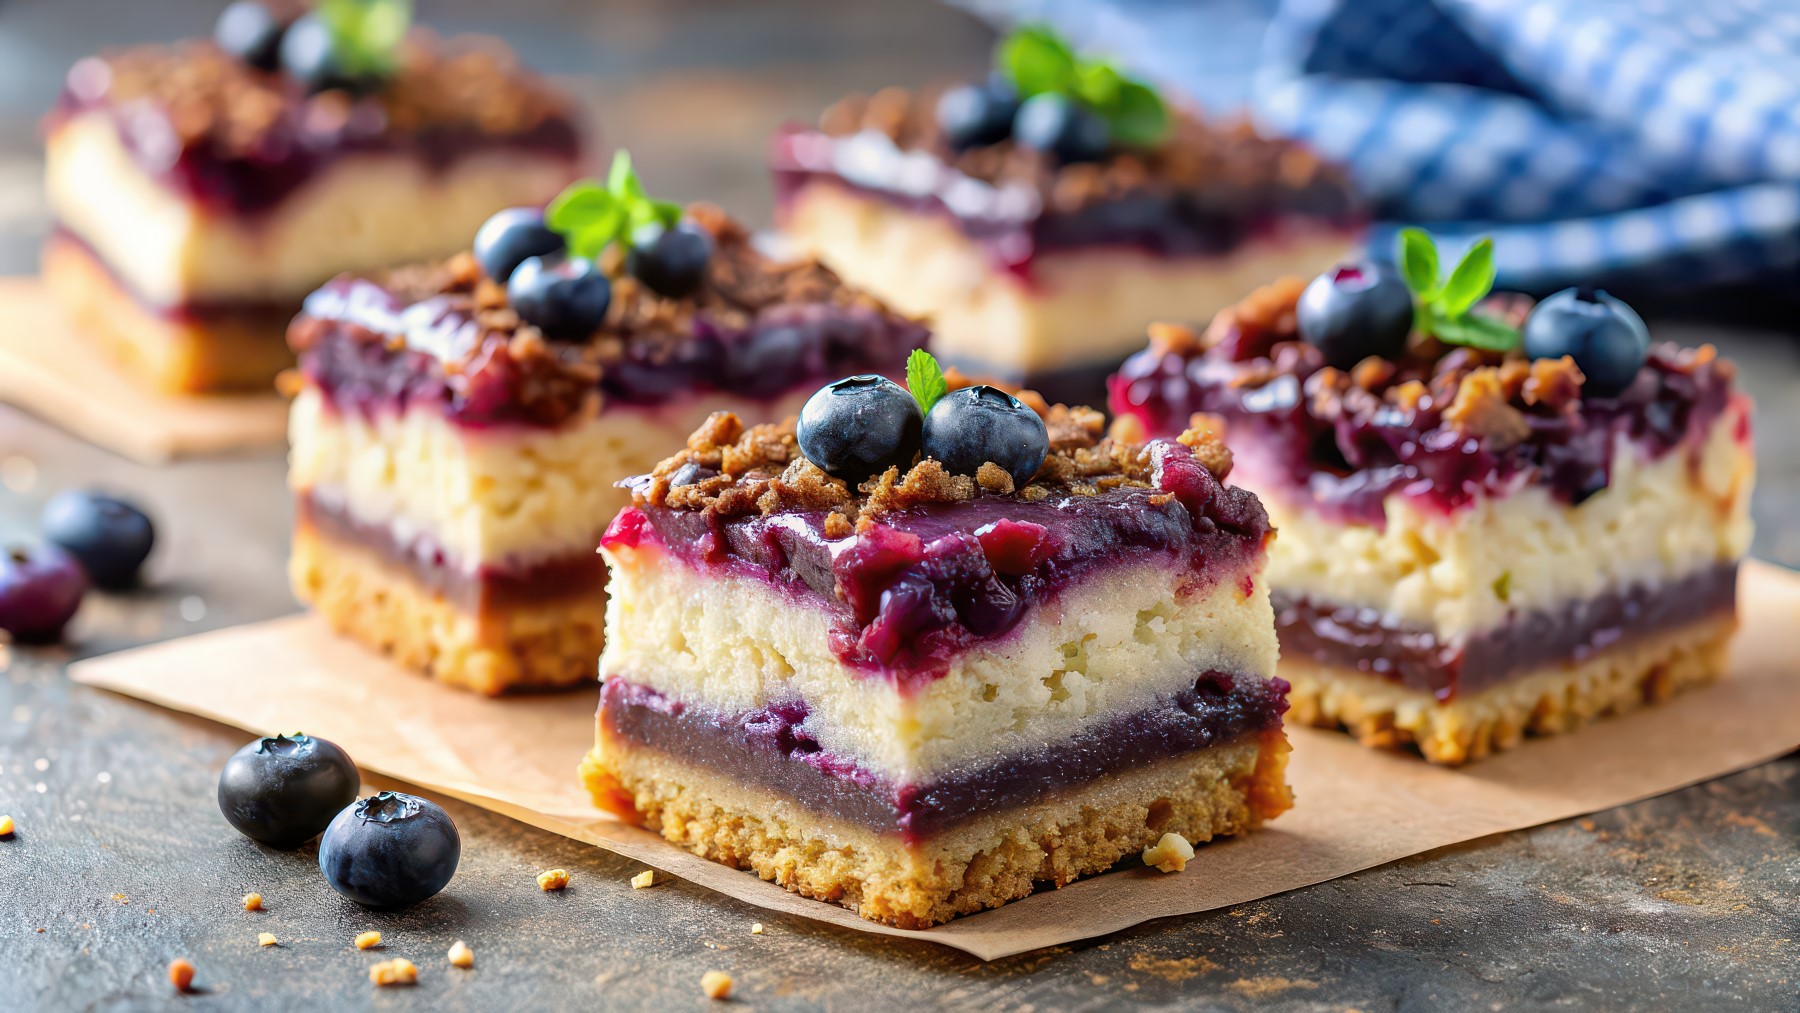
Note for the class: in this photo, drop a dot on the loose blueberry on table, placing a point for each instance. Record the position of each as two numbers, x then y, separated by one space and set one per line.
1605 337
860 426
110 537
973 426
284 790
390 850
1355 311
41 588
511 236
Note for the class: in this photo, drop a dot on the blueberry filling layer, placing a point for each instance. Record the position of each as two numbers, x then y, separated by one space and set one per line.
1015 224
1345 467
776 750
780 349
486 586
1365 640
908 593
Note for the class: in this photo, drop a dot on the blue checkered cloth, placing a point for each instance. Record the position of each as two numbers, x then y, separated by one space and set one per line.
1636 143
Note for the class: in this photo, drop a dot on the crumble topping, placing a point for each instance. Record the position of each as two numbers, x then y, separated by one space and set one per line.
729 470
469 84
253 902
398 971
1227 158
716 984
368 940
1170 853
265 939
460 955
647 878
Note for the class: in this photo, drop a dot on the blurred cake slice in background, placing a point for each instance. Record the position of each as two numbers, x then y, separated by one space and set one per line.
201 189
457 429
1039 237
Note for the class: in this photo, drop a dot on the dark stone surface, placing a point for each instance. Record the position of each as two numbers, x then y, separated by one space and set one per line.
1690 901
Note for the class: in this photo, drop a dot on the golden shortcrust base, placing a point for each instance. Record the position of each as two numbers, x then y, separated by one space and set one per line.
537 646
982 863
1382 714
167 354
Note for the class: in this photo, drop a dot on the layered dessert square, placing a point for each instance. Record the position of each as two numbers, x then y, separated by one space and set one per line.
1476 544
200 194
1039 260
920 696
454 462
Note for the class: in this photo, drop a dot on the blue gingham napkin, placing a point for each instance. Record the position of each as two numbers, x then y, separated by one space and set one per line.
1644 143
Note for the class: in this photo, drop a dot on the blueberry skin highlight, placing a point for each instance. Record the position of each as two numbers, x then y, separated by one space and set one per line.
508 237
1354 311
251 33
109 536
671 261
565 297
1605 337
860 426
977 114
284 790
390 850
973 426
1061 127
309 55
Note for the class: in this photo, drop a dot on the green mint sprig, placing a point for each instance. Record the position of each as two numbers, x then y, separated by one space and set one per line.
591 217
366 33
1036 60
1441 307
925 379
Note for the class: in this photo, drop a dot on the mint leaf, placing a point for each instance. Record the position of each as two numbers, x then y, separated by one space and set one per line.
621 181
1473 331
1097 85
591 217
924 379
367 33
1419 261
1138 117
1036 60
1472 279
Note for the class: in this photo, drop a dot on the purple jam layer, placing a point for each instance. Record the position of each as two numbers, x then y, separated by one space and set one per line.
915 589
1013 224
489 585
784 348
1347 467
1365 640
776 749
298 149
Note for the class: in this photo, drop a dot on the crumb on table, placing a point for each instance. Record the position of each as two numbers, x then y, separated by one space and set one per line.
756 928
6 826
253 901
643 879
368 940
716 984
461 955
265 939
1170 853
553 879
181 974
398 971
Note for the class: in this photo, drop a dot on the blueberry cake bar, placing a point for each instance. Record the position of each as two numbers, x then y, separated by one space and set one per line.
202 189
457 429
1040 237
1016 660
1477 543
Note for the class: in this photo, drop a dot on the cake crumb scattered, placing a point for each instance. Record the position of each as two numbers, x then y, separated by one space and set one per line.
716 984
553 879
756 928
181 974
6 826
643 879
368 940
253 901
265 939
461 955
1170 853
398 971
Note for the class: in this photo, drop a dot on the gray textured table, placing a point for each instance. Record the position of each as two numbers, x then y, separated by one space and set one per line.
123 862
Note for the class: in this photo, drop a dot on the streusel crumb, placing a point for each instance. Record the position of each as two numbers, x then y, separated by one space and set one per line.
398 971
643 879
553 879
6 826
368 940
756 928
181 974
265 939
1170 853
716 984
460 955
253 901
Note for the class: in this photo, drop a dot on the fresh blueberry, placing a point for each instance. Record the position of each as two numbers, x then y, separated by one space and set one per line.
860 426
390 850
1062 127
250 32
977 114
972 426
566 297
1605 337
40 589
1354 311
505 240
309 54
109 536
284 790
671 261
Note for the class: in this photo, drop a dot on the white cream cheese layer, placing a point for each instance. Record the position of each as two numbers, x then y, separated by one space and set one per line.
1113 644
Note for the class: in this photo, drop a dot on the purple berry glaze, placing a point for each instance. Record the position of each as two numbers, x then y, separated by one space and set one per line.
909 592
775 748
1013 223
1345 467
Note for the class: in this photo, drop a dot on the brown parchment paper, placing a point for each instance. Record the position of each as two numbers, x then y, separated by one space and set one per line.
63 379
1356 807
